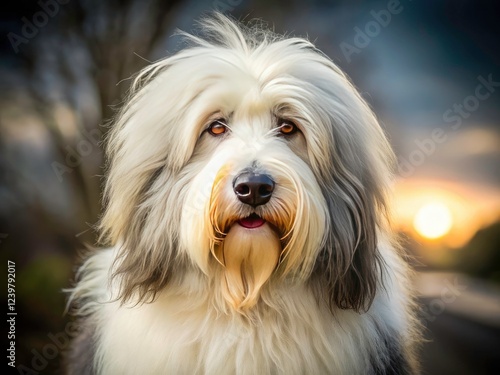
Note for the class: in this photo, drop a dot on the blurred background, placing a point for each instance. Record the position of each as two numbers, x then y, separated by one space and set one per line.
430 70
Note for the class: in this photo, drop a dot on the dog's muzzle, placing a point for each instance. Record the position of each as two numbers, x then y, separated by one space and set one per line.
254 189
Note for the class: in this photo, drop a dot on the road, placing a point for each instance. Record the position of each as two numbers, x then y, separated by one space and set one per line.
462 326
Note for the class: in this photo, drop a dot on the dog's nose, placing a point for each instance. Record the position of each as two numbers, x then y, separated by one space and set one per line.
253 188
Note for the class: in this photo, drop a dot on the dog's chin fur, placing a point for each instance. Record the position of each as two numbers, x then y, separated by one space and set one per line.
316 287
248 258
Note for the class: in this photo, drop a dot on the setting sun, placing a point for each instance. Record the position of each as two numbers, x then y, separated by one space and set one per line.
433 220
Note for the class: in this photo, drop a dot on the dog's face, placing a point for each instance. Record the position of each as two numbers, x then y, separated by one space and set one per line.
253 203
254 160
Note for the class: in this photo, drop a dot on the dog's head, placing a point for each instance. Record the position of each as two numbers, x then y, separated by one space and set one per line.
252 158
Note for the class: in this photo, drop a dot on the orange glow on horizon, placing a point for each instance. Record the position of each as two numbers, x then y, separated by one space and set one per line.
443 213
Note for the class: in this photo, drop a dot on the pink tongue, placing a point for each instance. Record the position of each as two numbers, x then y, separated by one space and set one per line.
251 222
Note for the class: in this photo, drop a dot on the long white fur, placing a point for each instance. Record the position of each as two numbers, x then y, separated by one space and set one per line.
190 328
181 332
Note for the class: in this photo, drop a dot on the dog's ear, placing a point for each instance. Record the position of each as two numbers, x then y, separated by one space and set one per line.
146 256
353 169
348 266
354 181
140 196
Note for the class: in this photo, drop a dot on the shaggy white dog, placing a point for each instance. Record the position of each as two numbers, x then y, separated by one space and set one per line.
247 215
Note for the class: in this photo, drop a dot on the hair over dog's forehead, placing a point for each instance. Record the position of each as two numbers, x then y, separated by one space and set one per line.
243 72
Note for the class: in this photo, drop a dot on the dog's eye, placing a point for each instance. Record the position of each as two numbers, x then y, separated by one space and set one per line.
287 127
218 127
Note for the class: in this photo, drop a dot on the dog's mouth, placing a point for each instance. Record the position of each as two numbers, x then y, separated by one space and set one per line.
251 222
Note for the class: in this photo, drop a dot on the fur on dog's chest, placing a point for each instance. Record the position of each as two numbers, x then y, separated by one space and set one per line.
167 339
182 332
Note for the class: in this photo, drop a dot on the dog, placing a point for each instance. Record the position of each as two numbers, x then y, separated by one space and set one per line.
247 212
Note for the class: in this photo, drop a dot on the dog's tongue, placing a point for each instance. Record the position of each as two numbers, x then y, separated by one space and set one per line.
252 221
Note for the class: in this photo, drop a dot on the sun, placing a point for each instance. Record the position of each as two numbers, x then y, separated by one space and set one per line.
433 220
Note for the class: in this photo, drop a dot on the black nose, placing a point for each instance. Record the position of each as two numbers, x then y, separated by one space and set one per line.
253 188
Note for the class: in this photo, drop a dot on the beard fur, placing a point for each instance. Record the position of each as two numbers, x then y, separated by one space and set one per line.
249 256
